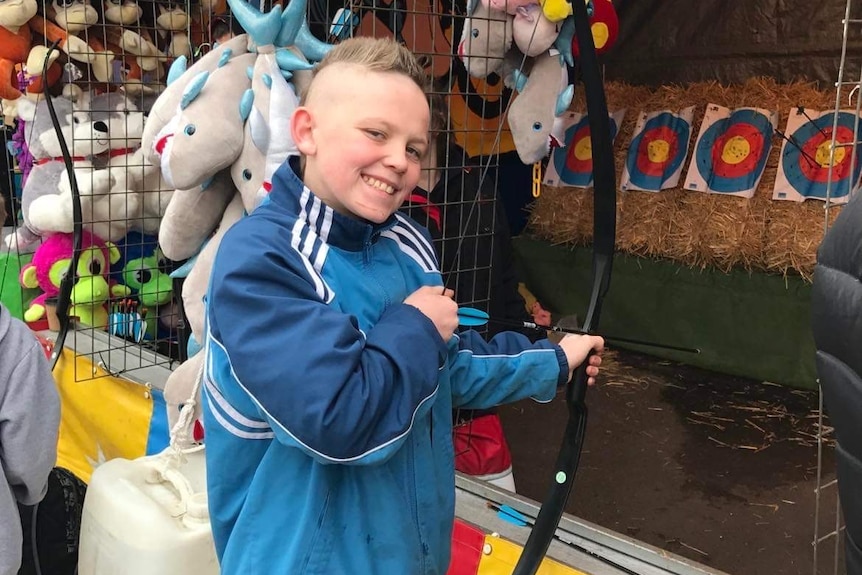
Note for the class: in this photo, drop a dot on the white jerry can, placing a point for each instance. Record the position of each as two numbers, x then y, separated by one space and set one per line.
148 516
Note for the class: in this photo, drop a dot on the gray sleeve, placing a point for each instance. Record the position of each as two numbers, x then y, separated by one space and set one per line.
29 425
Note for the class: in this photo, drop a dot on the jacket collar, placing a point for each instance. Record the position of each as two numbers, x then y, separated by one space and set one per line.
338 230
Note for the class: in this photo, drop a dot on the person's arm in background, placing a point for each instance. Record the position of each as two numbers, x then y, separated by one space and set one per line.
29 414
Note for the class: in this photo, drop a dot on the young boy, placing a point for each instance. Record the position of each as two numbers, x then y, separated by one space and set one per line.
29 423
332 368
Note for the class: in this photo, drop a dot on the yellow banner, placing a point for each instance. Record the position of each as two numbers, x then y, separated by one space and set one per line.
102 417
499 557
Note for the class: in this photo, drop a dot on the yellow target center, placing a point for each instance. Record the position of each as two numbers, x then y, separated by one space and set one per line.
736 149
658 151
601 34
822 155
583 149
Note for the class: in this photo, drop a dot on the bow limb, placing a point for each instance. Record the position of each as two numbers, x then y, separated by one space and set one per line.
68 282
604 234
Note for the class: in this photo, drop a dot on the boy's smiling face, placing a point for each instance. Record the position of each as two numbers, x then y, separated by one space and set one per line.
363 135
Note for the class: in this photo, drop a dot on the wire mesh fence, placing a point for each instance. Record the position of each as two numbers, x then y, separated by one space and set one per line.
78 104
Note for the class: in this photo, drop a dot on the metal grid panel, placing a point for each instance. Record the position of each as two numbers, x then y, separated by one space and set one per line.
116 71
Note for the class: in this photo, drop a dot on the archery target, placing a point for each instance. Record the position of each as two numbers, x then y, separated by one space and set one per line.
657 151
804 167
604 26
572 164
576 165
731 151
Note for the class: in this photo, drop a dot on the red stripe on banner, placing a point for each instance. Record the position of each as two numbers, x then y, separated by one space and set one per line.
467 544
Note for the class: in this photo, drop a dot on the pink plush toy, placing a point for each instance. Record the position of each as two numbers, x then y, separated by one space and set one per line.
91 291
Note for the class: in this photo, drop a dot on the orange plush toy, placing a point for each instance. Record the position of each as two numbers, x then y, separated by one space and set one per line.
19 23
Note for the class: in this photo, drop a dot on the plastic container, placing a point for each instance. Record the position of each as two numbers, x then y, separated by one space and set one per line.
148 516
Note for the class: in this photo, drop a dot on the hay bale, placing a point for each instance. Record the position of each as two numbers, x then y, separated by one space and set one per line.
695 228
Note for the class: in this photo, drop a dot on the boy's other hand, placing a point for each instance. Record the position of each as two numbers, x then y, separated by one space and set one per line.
578 347
439 306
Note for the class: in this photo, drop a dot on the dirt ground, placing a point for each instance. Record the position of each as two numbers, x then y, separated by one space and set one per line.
719 469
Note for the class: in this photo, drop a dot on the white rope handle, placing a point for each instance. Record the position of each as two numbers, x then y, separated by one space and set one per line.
181 432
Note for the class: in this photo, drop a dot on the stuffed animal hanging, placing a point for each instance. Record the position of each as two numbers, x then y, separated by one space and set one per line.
91 291
138 197
535 116
486 39
141 268
205 133
216 187
46 201
532 33
180 383
75 18
173 22
20 28
529 43
136 63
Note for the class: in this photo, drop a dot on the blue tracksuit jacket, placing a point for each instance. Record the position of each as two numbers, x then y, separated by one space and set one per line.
328 402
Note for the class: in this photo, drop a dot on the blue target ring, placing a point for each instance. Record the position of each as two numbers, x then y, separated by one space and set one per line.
732 153
806 164
574 162
649 167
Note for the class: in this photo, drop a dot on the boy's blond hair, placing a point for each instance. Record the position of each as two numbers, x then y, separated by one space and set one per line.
375 55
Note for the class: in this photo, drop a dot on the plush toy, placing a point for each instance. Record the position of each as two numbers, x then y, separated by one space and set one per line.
123 59
141 268
193 212
266 142
486 39
486 47
91 292
179 386
46 200
106 204
125 123
138 190
173 22
559 10
534 116
19 24
127 53
532 33
133 80
132 55
509 6
192 215
78 18
197 280
186 144
277 48
261 152
195 92
205 134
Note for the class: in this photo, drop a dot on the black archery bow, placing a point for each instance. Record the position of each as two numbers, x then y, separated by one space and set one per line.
68 282
604 234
